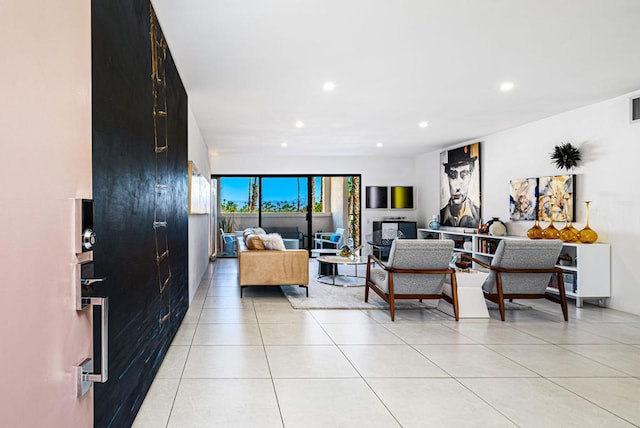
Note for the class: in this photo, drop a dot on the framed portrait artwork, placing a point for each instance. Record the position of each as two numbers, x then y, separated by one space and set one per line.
376 197
556 198
460 186
523 199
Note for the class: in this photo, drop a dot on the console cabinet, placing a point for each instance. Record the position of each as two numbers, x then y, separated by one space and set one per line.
587 268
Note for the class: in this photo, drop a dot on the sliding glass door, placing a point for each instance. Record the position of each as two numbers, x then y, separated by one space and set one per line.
296 207
284 203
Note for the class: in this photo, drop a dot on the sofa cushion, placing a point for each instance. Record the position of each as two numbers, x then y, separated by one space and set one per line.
254 230
254 242
334 237
248 231
272 241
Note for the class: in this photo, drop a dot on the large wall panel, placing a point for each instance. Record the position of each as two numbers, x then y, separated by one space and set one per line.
140 194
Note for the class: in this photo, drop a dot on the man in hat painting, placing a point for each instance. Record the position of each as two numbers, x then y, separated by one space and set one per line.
460 210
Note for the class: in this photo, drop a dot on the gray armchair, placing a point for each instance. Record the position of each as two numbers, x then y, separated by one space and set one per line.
416 269
521 269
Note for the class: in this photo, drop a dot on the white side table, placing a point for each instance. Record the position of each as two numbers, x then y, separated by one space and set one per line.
471 302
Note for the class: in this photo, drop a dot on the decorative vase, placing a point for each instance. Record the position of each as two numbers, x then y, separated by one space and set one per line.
435 223
345 251
587 235
483 228
569 233
536 231
550 232
496 227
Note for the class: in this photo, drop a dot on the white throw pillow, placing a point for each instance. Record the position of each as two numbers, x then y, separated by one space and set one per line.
272 241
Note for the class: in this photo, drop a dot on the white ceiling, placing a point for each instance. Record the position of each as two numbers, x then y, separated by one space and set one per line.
252 68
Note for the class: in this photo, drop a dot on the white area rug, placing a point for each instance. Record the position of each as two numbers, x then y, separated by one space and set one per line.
323 296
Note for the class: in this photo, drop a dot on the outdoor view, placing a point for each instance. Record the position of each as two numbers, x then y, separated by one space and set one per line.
284 200
279 194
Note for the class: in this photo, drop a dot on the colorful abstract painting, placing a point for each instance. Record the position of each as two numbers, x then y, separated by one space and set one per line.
556 198
523 199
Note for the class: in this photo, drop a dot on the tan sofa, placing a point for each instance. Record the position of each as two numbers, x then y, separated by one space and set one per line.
270 267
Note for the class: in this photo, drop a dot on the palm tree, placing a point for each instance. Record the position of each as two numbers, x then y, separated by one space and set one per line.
321 201
312 202
253 194
298 207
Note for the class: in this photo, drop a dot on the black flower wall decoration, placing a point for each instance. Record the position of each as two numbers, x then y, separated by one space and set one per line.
565 156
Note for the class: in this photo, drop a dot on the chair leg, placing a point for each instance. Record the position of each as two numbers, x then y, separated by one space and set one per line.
392 307
392 301
500 295
366 291
454 296
563 297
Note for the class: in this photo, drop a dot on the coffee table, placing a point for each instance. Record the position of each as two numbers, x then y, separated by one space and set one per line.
471 303
343 280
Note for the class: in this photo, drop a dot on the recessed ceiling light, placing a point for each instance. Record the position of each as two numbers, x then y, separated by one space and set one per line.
299 124
506 86
378 144
328 86
283 144
423 124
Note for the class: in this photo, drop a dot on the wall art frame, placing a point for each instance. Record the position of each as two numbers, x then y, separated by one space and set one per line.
199 191
377 197
402 197
460 198
556 198
523 199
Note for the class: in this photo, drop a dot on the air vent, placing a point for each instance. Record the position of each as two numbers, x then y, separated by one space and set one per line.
635 109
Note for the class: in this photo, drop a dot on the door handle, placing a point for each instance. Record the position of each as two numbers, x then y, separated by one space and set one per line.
87 282
85 375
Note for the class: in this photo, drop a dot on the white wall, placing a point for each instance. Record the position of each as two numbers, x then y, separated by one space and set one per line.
375 171
45 149
606 138
199 224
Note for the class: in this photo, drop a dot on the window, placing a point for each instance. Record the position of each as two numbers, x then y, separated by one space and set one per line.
278 194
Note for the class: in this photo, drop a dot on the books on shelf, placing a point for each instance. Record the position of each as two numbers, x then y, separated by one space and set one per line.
487 245
570 282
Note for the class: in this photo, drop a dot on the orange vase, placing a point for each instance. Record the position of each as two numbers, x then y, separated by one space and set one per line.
536 231
569 233
587 235
550 232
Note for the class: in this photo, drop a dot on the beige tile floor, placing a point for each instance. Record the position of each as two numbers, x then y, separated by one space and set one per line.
256 362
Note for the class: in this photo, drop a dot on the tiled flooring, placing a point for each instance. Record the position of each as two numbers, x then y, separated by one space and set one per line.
256 362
